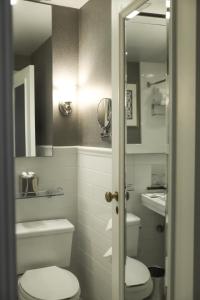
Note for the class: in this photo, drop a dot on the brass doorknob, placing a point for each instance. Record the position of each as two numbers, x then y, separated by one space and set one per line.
110 196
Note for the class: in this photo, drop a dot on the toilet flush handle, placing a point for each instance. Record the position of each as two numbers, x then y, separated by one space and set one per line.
110 196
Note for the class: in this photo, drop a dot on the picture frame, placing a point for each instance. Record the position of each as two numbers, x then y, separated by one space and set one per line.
131 105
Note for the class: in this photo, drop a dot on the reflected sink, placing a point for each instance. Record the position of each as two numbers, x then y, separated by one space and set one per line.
155 202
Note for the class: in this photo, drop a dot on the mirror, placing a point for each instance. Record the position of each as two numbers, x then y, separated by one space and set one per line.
104 116
146 98
32 82
146 79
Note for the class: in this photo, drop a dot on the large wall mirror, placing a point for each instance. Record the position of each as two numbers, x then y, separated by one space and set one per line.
147 177
32 80
146 79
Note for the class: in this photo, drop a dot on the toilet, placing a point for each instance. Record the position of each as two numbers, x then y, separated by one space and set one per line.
138 280
43 253
139 284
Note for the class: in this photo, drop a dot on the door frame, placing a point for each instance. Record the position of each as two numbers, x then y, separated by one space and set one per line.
118 88
197 169
7 197
26 77
172 66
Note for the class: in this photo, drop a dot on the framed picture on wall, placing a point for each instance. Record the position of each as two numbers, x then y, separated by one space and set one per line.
131 105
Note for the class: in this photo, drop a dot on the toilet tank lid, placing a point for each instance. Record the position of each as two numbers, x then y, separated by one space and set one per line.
44 227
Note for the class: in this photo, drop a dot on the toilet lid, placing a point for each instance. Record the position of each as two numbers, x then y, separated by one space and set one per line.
136 273
51 283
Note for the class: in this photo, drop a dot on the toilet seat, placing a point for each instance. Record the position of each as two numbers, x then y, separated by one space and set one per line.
136 272
50 283
139 284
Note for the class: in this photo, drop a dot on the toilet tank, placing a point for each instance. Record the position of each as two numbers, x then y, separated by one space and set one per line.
43 243
132 234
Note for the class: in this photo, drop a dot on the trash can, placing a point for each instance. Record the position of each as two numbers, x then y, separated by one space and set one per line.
157 275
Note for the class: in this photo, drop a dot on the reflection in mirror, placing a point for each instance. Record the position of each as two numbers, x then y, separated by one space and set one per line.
32 95
146 99
24 112
104 116
146 70
20 143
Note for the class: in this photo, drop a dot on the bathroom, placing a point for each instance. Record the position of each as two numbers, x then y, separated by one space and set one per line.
78 162
76 145
74 61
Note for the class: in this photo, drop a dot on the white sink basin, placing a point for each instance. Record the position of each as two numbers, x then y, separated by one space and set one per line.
155 202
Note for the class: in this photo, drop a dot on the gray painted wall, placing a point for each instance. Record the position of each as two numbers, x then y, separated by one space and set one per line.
65 73
81 58
94 68
133 76
21 61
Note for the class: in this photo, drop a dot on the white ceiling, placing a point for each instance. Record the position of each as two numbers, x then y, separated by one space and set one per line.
68 3
146 37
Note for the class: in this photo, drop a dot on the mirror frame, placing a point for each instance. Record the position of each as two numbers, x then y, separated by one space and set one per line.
171 195
197 168
39 140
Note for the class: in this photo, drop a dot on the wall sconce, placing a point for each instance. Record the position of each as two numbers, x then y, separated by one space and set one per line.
65 108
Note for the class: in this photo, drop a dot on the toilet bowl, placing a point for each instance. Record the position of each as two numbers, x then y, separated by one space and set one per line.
50 283
139 284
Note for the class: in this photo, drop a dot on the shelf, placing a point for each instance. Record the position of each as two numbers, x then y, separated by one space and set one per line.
39 194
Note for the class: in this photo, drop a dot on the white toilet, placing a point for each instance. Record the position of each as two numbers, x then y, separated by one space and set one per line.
43 251
139 284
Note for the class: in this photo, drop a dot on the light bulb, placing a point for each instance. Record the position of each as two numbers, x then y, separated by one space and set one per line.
133 14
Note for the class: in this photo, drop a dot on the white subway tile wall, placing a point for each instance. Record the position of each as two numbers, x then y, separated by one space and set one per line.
57 171
85 174
94 179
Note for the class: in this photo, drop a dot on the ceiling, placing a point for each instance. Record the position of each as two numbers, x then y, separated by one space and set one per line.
68 3
146 37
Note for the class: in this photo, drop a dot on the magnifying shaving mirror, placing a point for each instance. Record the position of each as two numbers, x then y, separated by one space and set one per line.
104 116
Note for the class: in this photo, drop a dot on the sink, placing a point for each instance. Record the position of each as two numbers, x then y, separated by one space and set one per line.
155 202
